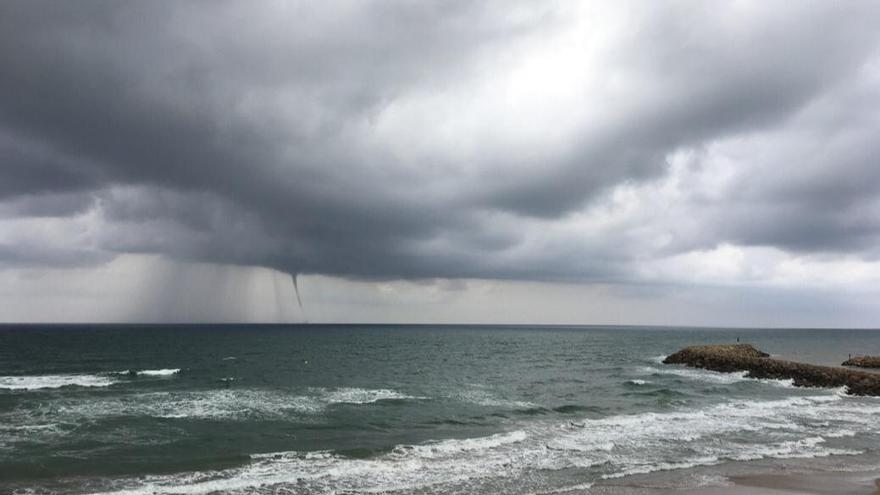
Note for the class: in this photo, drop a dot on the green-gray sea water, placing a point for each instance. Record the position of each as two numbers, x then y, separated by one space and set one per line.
400 409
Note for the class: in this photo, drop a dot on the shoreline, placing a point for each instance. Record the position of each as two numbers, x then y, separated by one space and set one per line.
812 483
833 475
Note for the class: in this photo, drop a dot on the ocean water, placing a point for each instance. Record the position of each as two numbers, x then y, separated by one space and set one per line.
401 409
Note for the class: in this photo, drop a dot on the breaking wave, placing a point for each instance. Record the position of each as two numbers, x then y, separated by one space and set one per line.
206 404
359 396
38 382
544 456
161 372
714 376
486 398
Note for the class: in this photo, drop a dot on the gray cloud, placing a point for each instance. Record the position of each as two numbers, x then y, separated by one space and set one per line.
236 133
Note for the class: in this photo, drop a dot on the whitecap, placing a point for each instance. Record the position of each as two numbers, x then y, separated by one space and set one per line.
453 462
159 372
717 376
223 403
486 398
350 395
451 447
531 455
701 375
37 382
578 488
610 447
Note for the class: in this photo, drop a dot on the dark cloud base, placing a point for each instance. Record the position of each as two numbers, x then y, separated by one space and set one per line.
224 132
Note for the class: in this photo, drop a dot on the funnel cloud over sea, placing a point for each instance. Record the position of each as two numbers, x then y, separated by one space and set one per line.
573 247
550 162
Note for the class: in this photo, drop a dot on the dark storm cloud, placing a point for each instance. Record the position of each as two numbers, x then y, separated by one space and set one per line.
240 133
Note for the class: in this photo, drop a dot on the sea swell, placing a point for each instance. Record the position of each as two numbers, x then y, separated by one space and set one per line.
218 404
159 372
712 376
38 382
547 455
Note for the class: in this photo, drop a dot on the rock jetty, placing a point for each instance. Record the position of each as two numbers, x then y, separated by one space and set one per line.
743 357
863 362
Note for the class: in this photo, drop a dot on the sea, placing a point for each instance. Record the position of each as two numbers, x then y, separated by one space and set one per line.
302 409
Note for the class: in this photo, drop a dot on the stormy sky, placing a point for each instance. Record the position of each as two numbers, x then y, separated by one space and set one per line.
669 162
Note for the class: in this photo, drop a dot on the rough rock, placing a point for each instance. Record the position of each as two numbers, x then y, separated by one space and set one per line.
863 362
743 357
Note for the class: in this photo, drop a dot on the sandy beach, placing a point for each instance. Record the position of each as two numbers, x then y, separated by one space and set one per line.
857 476
861 483
858 483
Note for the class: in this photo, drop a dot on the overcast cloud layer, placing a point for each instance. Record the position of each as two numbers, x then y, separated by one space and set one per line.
644 144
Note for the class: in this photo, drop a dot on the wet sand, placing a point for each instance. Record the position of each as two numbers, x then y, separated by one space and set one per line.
865 483
857 475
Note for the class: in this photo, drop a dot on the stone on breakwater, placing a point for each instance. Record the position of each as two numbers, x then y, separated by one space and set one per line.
743 357
863 362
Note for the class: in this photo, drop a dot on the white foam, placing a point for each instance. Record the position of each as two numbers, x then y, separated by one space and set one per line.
702 375
451 447
360 395
37 382
841 434
160 372
524 459
715 376
638 382
579 488
462 463
486 398
207 404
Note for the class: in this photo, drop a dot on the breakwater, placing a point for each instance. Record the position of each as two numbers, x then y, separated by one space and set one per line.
863 362
744 357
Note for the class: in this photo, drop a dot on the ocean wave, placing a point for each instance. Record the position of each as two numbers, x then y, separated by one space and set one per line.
246 403
431 467
445 448
578 488
226 404
360 395
487 398
525 459
159 372
34 432
38 382
715 376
